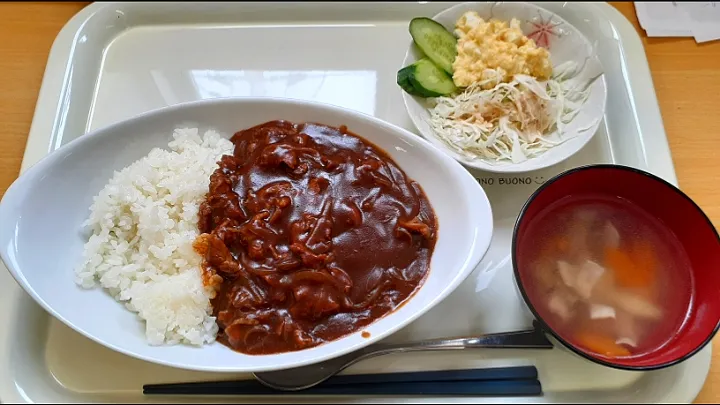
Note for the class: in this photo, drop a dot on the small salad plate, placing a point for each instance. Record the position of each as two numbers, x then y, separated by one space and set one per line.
534 100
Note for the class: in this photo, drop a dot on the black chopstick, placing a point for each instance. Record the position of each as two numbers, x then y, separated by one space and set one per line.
443 388
478 374
505 381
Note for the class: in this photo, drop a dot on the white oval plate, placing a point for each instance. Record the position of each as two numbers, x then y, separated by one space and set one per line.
564 42
41 239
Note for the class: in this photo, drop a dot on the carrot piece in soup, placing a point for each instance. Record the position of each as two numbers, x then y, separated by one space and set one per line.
555 246
643 256
627 274
601 344
562 244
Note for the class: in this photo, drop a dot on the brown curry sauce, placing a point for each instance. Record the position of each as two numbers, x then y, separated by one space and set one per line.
309 233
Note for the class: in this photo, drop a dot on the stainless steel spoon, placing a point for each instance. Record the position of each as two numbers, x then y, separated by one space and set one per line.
300 378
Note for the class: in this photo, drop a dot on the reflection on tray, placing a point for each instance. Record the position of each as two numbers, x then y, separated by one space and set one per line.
330 86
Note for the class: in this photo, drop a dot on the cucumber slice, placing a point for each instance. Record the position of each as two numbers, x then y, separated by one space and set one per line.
429 80
403 80
435 41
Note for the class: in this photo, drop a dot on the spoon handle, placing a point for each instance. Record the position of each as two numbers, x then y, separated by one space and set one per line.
309 376
528 339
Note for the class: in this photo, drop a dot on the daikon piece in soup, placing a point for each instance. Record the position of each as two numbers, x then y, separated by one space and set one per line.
606 276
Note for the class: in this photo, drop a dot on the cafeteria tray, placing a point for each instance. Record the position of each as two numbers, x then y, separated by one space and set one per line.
115 60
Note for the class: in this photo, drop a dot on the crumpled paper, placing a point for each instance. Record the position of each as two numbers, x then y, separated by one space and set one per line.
700 20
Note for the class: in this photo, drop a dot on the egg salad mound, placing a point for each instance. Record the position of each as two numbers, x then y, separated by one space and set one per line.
488 49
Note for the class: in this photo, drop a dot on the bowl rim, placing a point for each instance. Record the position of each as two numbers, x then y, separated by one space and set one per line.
545 325
511 168
477 249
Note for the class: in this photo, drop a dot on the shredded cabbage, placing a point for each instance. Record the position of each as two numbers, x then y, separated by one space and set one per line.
512 121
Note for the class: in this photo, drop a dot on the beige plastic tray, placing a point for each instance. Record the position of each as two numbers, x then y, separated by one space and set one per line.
115 60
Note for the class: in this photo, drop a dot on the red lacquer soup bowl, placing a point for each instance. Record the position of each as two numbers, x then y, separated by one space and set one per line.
671 263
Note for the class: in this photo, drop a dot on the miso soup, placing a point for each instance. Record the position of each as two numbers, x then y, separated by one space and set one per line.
609 278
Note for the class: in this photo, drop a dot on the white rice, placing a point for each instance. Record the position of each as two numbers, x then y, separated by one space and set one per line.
143 225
